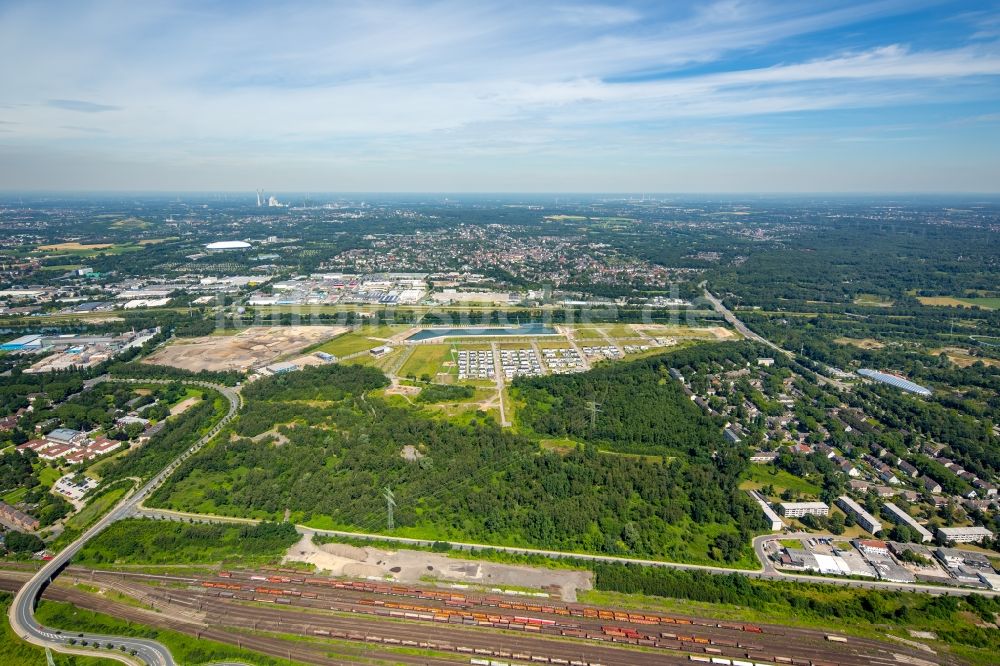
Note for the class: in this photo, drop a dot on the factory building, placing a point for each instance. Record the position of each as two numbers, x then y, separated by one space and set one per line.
23 343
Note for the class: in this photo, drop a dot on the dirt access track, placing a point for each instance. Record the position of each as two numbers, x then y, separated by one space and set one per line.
256 346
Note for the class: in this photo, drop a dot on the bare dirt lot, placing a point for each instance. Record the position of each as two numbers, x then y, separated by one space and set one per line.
415 566
254 347
74 246
964 357
718 332
862 343
184 405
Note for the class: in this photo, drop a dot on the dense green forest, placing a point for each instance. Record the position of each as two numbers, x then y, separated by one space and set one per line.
139 541
838 260
472 482
640 408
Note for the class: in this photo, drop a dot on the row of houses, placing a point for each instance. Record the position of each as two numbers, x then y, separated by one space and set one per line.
16 519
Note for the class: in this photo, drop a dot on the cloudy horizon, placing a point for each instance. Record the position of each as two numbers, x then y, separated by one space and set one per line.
726 96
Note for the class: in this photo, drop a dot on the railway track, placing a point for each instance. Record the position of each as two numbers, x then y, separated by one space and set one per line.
290 602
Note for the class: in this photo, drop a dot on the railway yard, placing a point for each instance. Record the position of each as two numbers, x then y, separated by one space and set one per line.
322 620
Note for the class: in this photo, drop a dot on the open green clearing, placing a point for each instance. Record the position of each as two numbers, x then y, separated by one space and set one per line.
47 476
430 360
873 300
759 476
348 343
96 508
991 303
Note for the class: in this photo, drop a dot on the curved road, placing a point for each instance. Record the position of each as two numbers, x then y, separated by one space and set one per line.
21 612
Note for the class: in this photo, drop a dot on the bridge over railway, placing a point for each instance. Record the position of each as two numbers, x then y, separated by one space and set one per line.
126 649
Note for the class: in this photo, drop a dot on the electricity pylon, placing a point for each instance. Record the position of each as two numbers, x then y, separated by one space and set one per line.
390 504
593 408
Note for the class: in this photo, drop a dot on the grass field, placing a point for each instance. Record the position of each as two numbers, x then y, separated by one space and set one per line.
588 334
383 330
429 360
95 509
873 301
131 223
988 303
61 267
764 475
961 302
15 496
560 446
863 343
74 247
48 476
89 250
348 343
619 330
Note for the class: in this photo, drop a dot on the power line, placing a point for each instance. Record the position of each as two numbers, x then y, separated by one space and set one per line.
390 504
593 407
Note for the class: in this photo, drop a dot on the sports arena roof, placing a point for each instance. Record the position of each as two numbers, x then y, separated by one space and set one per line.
227 245
893 380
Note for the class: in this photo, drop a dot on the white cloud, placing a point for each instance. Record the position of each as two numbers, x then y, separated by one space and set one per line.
351 81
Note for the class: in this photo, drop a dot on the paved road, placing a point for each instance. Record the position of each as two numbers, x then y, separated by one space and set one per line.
746 332
22 610
766 571
740 326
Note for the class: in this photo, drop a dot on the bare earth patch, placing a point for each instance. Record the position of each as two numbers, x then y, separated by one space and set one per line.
410 453
864 343
962 358
184 405
252 348
717 332
415 566
55 247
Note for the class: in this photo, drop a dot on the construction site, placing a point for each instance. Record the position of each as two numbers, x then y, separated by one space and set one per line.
249 349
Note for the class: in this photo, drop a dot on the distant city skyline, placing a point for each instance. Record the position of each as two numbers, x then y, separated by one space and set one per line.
730 96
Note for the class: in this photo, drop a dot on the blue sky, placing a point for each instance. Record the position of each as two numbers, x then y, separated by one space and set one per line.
724 96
